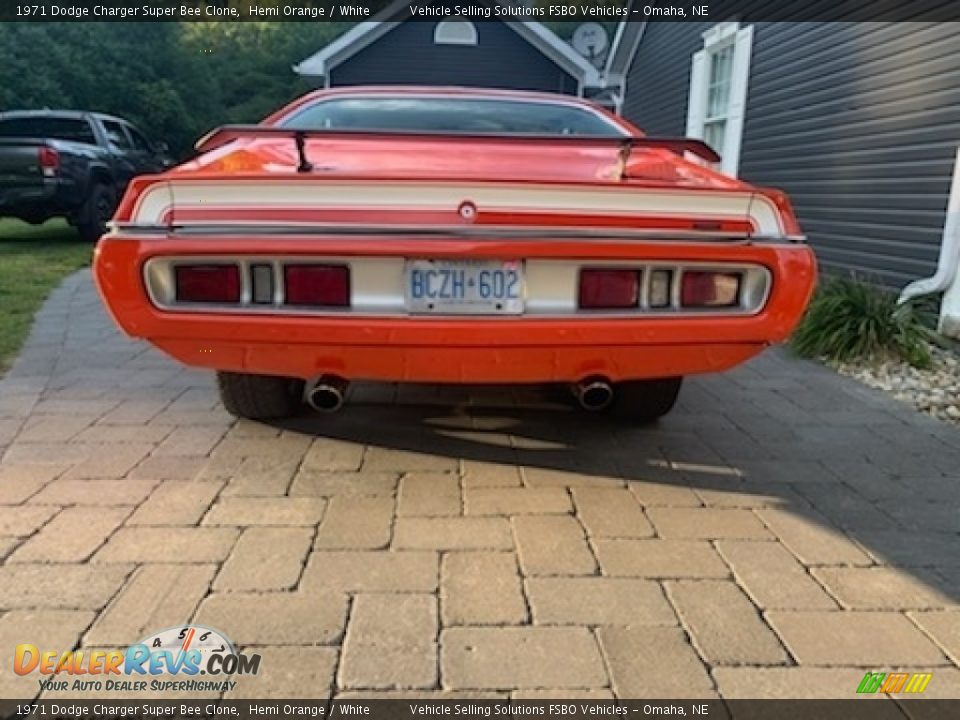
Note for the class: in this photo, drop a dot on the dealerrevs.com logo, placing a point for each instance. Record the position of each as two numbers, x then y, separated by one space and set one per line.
178 654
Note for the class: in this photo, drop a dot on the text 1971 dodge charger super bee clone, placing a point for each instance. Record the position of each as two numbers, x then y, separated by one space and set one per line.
452 236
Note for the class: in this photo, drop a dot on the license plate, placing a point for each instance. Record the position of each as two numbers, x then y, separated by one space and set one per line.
465 287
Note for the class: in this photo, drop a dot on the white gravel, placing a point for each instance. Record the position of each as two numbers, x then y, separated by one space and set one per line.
935 391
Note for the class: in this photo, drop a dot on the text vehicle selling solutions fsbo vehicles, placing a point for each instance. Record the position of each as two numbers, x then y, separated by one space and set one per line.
452 236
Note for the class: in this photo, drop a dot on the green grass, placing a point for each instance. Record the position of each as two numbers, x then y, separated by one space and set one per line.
852 320
33 261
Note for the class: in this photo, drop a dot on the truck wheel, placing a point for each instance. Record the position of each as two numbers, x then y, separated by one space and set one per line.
260 397
97 211
644 401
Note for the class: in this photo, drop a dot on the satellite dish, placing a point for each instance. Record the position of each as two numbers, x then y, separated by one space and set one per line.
590 39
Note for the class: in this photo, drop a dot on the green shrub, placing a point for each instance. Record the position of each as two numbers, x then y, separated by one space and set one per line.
850 319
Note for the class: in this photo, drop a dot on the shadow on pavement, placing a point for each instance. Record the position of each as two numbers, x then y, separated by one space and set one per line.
845 477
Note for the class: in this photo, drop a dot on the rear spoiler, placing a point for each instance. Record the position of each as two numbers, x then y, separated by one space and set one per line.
227 133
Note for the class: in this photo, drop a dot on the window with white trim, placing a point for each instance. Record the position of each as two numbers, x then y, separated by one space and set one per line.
455 32
717 103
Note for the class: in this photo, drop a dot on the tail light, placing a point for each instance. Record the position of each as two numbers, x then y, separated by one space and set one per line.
787 214
609 289
317 285
49 160
207 283
709 289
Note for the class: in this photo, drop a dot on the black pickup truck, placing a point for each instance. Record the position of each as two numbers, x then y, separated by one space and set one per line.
70 164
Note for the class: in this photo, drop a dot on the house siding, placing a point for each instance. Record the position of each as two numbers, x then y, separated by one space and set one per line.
408 55
658 80
858 122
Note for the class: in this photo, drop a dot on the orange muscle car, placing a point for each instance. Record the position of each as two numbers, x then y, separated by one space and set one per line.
452 236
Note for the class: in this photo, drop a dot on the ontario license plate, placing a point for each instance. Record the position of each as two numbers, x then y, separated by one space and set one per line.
465 287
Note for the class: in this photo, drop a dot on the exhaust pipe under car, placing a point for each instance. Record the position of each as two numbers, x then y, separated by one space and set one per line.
594 394
327 394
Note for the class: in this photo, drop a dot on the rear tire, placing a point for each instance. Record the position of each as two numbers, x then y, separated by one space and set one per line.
645 401
260 397
97 211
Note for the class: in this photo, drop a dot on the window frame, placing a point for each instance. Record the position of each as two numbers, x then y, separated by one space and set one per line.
123 133
716 41
133 134
455 23
32 122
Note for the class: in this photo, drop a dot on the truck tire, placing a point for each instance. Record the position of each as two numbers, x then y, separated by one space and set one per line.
645 401
260 397
97 211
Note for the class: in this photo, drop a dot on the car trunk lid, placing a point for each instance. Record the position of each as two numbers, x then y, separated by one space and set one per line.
279 180
458 156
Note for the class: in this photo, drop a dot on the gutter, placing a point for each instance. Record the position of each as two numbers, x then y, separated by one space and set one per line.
946 279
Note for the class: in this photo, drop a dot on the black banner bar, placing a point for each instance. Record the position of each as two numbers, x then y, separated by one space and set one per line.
574 11
874 707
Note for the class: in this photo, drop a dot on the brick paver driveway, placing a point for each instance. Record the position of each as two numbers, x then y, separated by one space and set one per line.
782 532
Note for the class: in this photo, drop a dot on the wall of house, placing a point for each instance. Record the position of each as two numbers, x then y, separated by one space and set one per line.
408 55
858 122
658 80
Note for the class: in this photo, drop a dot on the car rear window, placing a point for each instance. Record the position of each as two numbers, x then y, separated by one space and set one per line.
467 115
72 129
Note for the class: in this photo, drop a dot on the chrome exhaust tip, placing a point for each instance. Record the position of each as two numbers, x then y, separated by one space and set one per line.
327 394
594 394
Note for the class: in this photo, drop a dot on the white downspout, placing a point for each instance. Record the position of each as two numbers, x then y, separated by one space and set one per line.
946 279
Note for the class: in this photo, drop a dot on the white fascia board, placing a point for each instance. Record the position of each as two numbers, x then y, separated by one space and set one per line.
615 45
351 42
345 46
561 52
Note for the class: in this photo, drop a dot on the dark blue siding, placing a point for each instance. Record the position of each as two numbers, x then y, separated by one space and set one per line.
858 122
658 80
408 55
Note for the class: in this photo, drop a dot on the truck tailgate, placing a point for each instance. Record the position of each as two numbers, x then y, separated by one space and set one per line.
20 163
